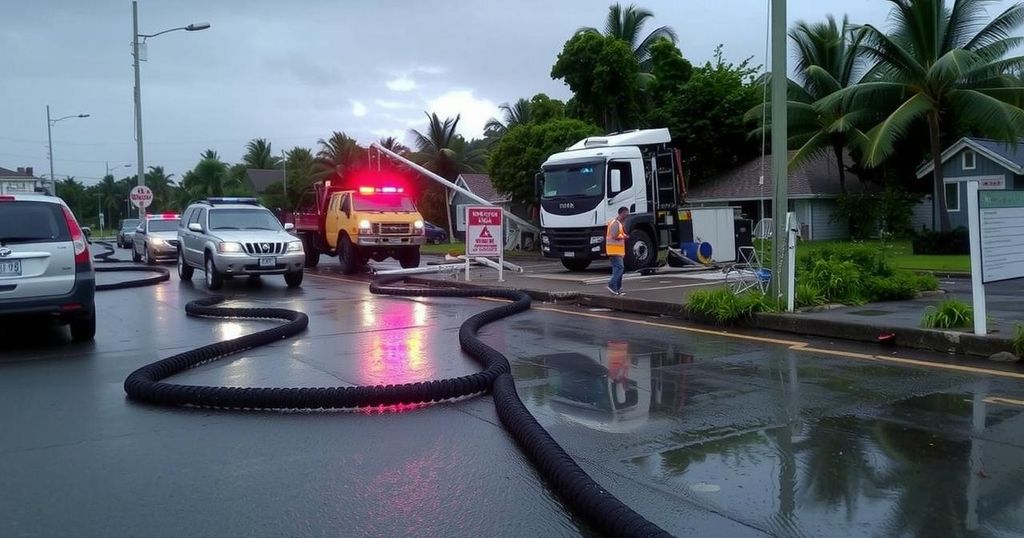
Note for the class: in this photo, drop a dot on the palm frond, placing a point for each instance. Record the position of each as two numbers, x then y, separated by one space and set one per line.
988 114
882 139
1002 27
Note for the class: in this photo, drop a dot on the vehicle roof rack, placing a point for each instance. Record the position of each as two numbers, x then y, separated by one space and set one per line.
221 200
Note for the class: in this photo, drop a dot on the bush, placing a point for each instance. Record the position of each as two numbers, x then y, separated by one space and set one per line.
932 242
808 294
838 281
949 314
900 286
1018 341
726 307
868 258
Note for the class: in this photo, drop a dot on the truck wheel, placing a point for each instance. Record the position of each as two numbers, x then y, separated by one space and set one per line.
312 254
214 280
347 255
575 265
184 269
409 258
640 251
294 279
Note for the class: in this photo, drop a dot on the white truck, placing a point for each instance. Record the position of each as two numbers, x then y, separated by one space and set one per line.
583 187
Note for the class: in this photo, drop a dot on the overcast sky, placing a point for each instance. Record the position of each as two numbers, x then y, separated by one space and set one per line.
292 72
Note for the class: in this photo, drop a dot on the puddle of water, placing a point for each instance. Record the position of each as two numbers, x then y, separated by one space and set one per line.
849 475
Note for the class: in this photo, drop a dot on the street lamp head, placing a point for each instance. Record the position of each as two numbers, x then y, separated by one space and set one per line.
196 26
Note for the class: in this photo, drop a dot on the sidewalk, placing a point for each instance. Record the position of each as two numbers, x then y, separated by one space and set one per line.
665 294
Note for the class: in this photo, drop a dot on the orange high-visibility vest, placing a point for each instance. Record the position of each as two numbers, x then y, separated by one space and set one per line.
615 240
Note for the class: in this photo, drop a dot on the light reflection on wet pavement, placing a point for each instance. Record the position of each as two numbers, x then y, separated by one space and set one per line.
703 435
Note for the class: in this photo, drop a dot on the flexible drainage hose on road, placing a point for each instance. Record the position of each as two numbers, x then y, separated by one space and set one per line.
162 275
594 504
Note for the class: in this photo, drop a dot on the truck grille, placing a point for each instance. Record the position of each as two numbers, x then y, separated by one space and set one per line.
264 248
571 238
392 229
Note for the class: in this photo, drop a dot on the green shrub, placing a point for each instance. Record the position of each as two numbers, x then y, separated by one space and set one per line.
949 314
933 242
869 259
926 282
808 294
900 286
838 281
1018 341
855 273
726 307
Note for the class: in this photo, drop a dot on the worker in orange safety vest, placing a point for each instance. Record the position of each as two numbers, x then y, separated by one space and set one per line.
615 247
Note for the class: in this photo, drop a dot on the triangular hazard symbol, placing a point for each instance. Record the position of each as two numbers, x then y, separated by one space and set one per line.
485 233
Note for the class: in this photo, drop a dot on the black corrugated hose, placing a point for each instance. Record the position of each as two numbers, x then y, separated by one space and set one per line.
599 508
162 274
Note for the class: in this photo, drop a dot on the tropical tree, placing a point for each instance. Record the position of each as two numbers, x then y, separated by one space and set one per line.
259 155
391 143
161 184
337 155
110 197
604 78
627 25
943 66
73 193
517 113
442 151
300 171
210 177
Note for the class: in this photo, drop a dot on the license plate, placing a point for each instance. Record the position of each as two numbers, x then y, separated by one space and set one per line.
10 268
268 262
569 254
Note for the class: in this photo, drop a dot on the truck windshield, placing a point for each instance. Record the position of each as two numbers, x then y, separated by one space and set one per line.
383 202
586 179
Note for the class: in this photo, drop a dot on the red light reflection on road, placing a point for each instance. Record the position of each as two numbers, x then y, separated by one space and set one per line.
395 352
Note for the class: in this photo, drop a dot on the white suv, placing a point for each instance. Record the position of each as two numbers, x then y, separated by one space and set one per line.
45 266
225 237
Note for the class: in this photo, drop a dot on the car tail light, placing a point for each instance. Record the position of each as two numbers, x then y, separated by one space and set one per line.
77 237
6 198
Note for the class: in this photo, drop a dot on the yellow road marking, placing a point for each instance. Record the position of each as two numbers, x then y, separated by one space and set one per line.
791 344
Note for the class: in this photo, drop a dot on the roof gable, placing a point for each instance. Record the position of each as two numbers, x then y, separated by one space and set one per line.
5 173
815 178
1009 156
482 186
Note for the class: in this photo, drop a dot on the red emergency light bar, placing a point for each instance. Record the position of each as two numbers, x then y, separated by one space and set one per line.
165 216
381 190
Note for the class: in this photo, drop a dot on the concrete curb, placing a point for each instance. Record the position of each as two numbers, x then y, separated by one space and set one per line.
924 339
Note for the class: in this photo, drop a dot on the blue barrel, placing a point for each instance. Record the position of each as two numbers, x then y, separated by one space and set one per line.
699 252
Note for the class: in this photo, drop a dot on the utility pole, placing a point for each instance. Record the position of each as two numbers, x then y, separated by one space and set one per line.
780 153
49 138
138 101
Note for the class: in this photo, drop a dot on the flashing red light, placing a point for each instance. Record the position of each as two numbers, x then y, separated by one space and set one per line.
165 216
383 190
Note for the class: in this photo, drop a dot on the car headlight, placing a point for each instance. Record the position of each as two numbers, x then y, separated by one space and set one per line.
295 246
228 248
418 224
158 242
596 239
364 224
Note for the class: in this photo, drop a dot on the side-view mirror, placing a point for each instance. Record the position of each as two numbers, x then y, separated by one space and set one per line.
195 227
615 178
538 184
288 226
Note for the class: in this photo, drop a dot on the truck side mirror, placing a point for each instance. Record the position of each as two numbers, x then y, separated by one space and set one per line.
288 226
615 179
195 227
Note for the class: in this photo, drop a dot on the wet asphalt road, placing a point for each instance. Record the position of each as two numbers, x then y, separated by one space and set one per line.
703 434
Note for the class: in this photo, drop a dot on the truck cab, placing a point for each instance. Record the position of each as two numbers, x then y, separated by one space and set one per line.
582 188
360 224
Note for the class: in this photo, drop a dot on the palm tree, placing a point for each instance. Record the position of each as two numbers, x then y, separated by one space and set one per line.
300 169
338 154
110 196
517 113
443 151
260 155
391 143
209 154
945 67
627 24
160 182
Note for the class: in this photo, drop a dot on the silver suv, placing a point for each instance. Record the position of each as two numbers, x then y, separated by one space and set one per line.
45 266
225 237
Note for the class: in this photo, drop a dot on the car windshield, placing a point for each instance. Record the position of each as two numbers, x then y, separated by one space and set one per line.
383 202
129 224
32 222
243 219
585 179
163 225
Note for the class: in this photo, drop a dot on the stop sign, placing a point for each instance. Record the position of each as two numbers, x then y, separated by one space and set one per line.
141 196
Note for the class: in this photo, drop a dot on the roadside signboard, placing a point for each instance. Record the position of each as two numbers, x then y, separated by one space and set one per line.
485 235
1001 220
141 196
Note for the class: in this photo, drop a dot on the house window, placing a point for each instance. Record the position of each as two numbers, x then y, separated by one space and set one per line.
970 159
953 197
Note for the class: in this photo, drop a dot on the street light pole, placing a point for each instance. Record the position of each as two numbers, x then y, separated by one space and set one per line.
49 139
780 153
141 177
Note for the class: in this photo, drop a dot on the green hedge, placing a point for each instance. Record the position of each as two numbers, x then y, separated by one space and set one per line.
855 274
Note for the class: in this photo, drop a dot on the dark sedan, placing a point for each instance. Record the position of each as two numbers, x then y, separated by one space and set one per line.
127 232
435 234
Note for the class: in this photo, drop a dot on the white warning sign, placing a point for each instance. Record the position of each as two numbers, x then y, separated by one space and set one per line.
483 231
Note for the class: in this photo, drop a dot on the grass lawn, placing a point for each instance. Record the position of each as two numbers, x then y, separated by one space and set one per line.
902 255
458 247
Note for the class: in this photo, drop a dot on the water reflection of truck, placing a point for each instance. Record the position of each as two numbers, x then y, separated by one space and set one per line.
611 391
